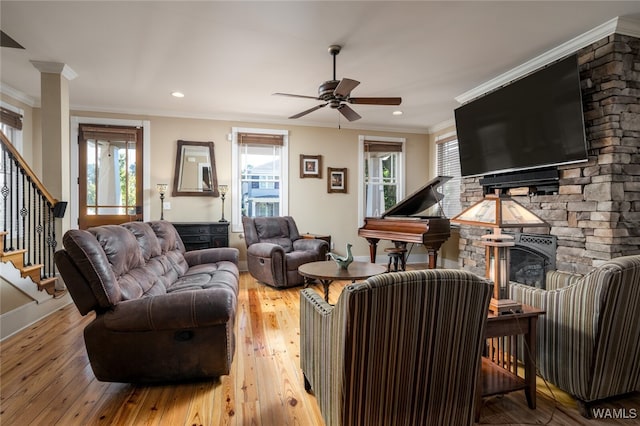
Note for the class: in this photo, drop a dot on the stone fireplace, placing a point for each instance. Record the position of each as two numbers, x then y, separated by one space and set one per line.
595 212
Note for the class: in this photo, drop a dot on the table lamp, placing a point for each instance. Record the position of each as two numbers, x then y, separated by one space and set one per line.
498 211
162 189
223 189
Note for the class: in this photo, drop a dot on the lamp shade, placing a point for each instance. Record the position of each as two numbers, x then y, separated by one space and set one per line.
162 187
496 211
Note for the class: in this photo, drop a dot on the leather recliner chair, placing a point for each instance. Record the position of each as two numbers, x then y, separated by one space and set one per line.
275 250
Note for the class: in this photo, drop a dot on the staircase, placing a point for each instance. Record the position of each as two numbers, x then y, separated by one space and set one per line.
16 257
27 220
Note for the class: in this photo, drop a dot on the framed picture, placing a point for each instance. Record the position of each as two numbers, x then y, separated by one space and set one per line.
310 166
336 180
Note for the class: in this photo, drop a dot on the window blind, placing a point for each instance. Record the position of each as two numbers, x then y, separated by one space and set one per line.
260 139
380 146
448 164
10 118
107 133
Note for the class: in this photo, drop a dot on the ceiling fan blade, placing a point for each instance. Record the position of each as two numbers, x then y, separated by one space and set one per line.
375 101
297 96
308 111
6 41
349 113
345 87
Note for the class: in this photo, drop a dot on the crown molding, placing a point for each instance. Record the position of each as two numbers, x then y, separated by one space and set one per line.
628 27
441 126
19 96
620 25
55 68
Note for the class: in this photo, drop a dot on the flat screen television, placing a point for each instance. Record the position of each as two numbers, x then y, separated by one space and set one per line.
534 122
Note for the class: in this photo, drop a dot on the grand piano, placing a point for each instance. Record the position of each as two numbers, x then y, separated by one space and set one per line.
402 223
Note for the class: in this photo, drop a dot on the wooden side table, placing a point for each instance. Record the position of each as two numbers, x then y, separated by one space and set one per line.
499 372
309 236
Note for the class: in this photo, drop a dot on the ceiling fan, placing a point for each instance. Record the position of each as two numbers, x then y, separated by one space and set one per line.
337 94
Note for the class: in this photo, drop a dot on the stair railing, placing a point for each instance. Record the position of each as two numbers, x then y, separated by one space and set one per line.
28 211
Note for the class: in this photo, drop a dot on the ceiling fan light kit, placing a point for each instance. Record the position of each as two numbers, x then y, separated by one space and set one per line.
337 94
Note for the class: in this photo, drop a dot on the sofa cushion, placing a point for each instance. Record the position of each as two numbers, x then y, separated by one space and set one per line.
295 259
274 230
120 246
167 236
125 247
271 227
147 240
91 266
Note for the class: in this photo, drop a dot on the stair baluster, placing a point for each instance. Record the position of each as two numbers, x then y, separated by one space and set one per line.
28 239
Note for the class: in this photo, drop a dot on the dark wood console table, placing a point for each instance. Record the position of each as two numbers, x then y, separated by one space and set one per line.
499 373
200 235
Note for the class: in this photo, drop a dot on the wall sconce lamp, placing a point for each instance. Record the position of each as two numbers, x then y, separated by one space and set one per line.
223 189
497 211
162 189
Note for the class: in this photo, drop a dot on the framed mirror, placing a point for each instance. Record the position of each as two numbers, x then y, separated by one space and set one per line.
195 171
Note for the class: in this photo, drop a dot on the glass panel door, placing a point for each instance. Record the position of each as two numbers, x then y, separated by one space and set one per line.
110 175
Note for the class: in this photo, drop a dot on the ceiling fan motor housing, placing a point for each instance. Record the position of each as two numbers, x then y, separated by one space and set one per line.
326 89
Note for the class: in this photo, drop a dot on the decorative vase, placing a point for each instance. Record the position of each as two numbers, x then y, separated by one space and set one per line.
343 262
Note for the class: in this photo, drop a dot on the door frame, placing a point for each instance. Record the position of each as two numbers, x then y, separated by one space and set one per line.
73 206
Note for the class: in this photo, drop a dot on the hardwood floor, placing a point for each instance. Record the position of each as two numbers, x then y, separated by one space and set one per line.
46 378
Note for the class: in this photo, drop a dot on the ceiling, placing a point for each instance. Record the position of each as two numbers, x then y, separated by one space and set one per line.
228 58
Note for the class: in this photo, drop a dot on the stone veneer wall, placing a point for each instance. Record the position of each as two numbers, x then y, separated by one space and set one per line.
596 213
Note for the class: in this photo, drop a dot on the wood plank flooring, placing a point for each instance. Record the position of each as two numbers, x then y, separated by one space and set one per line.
46 379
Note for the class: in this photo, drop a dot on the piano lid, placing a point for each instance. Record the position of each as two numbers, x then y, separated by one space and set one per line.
420 200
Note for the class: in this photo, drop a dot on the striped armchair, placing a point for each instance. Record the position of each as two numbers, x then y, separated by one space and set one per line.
400 348
589 339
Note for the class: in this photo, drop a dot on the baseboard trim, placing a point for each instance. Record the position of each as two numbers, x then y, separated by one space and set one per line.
26 315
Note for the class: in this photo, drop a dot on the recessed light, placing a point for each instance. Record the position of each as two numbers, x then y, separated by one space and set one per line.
177 94
397 112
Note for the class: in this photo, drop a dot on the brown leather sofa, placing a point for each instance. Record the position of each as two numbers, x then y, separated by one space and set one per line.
275 250
162 314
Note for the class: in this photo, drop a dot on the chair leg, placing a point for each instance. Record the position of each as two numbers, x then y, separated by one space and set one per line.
584 408
307 385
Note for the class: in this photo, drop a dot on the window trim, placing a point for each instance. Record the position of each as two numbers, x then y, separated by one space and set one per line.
401 169
236 218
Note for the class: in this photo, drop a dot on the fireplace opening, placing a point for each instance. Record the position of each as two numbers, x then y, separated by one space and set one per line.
531 257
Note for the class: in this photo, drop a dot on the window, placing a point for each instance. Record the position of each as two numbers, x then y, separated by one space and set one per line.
448 164
259 169
11 125
381 174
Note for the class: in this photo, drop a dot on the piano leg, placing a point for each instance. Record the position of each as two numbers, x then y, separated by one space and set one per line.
433 257
373 246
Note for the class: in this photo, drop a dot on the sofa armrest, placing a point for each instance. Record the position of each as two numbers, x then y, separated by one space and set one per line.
212 255
316 349
566 333
265 250
182 310
307 244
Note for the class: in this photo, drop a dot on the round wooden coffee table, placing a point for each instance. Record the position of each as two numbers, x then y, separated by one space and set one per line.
327 271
